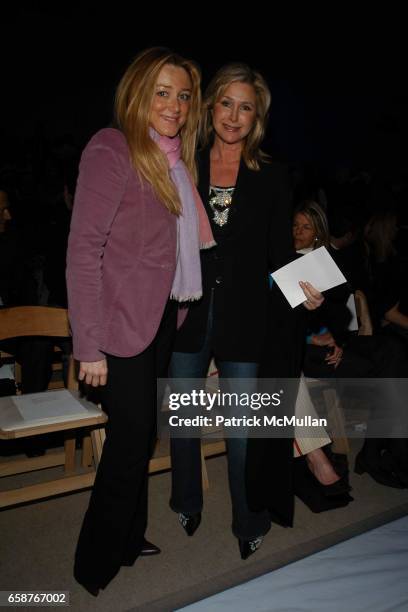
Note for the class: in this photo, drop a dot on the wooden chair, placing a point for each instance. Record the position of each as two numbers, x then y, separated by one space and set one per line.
21 321
335 415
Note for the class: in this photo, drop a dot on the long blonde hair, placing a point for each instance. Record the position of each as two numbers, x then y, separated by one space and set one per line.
133 100
231 73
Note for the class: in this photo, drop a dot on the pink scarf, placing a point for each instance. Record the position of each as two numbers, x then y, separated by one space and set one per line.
193 228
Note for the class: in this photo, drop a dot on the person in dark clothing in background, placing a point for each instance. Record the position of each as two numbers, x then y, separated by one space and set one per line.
332 352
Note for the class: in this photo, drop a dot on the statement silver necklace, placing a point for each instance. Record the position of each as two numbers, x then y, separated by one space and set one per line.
220 202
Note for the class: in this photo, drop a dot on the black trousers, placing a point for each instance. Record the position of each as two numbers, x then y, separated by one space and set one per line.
114 525
382 357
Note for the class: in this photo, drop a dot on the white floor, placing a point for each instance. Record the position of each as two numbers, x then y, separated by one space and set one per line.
367 573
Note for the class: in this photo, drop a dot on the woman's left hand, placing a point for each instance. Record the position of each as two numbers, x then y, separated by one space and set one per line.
335 356
314 298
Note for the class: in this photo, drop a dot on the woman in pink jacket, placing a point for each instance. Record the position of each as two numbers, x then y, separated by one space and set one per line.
133 254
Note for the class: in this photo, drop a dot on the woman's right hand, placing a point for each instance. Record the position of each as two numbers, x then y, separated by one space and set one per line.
94 373
314 298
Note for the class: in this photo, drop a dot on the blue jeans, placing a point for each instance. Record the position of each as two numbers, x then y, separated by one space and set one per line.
187 494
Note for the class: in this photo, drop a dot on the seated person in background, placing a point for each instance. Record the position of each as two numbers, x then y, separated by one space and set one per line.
386 280
311 231
20 276
333 352
346 240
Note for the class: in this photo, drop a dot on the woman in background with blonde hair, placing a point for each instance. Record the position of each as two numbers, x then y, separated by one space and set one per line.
133 254
332 352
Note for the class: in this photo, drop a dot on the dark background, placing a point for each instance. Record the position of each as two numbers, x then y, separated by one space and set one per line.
339 87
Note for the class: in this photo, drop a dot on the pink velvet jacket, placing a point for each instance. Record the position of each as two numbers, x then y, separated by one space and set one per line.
121 254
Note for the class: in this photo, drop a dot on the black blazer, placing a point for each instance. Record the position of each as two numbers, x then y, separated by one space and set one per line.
252 323
256 239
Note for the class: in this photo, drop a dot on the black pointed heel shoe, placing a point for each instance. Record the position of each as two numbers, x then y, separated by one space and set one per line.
91 588
248 547
190 522
149 549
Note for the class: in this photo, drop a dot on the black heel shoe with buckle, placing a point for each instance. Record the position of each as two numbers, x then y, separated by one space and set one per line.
248 547
190 522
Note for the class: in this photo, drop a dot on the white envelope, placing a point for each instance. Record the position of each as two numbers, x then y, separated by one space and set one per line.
317 268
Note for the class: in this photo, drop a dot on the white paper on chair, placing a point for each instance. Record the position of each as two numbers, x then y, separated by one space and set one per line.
51 406
317 268
7 371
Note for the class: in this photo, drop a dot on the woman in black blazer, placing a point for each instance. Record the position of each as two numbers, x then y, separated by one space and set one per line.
247 200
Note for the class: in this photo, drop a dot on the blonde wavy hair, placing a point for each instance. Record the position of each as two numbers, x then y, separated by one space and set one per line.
133 101
232 73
